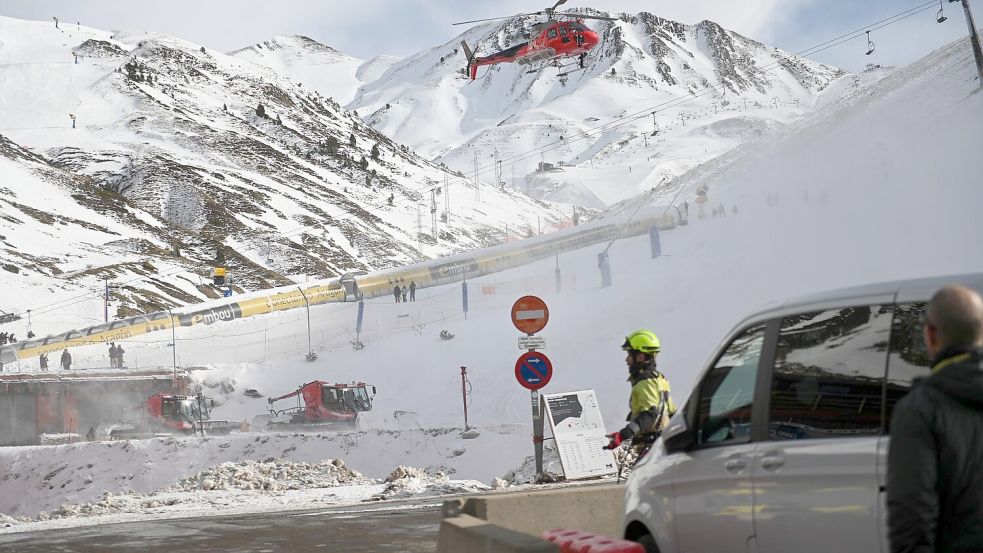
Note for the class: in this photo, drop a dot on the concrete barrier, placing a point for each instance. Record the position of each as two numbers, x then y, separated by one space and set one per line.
467 534
597 509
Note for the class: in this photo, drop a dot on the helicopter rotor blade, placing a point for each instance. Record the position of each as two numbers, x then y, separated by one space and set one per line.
494 18
558 3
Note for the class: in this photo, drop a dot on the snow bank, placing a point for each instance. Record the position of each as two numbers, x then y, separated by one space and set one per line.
74 479
270 475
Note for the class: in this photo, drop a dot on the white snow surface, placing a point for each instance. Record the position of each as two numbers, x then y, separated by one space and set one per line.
311 64
882 185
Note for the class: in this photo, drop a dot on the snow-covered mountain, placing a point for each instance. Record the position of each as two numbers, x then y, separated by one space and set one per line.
183 149
318 67
711 90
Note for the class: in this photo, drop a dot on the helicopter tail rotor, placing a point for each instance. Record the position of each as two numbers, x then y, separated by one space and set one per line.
470 69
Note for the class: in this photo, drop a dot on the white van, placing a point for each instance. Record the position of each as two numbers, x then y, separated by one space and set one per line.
782 445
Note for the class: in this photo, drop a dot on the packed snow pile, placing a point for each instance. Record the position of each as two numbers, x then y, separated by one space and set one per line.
526 473
271 475
409 481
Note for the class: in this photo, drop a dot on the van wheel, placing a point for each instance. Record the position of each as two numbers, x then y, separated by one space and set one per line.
648 542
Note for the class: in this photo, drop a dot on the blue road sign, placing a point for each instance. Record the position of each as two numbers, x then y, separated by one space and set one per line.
533 370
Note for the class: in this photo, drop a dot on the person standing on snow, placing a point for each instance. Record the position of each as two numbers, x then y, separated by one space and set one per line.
396 293
412 290
650 402
935 460
66 359
112 355
43 361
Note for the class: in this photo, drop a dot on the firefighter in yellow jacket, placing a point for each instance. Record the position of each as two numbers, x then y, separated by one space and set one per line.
651 404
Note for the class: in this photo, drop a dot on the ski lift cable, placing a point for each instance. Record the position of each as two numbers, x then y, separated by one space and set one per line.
56 306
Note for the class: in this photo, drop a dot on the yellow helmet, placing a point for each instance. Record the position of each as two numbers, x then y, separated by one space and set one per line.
644 341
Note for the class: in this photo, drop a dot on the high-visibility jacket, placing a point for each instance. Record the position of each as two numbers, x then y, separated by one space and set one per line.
651 403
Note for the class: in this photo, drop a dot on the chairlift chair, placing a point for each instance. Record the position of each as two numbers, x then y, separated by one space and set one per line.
870 45
940 17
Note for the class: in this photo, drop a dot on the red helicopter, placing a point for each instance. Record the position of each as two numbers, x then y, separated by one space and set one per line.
553 40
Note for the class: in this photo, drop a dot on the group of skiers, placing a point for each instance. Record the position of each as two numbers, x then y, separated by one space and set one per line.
400 293
7 338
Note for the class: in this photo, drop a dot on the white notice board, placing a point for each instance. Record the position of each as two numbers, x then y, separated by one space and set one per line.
578 430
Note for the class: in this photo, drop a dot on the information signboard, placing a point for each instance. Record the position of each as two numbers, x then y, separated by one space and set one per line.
578 430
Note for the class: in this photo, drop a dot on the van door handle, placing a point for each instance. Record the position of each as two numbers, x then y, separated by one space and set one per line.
735 464
773 460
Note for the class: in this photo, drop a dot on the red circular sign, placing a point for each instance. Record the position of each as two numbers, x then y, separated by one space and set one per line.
530 314
533 370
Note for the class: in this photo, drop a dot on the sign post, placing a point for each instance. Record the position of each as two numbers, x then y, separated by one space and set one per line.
533 370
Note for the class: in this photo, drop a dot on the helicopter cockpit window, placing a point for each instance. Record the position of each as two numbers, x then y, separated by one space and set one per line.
551 33
563 31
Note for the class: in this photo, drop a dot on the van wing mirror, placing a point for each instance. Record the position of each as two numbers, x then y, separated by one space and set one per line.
678 436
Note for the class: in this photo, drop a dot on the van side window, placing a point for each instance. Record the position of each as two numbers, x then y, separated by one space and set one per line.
726 392
908 359
829 374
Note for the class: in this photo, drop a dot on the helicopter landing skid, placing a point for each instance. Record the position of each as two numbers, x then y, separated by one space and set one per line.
565 73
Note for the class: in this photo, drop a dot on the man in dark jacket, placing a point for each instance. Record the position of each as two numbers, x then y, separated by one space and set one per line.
935 463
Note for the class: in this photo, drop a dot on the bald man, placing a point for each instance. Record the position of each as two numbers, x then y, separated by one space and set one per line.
935 464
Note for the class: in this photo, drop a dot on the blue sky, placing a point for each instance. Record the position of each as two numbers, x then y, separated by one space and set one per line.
368 28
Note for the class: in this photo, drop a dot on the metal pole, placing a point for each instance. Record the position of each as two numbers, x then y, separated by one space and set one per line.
537 431
310 350
974 39
559 280
105 303
173 346
464 396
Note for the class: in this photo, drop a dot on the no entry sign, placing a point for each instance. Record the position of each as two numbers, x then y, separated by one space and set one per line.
530 314
533 370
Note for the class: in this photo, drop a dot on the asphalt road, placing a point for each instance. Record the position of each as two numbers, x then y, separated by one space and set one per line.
378 527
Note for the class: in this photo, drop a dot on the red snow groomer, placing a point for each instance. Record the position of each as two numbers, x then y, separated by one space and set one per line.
320 403
166 414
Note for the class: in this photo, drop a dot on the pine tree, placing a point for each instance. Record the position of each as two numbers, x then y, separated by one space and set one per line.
278 120
330 145
364 163
260 111
225 107
351 140
375 151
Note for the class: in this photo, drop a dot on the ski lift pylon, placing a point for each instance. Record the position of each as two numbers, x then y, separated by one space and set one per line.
870 45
